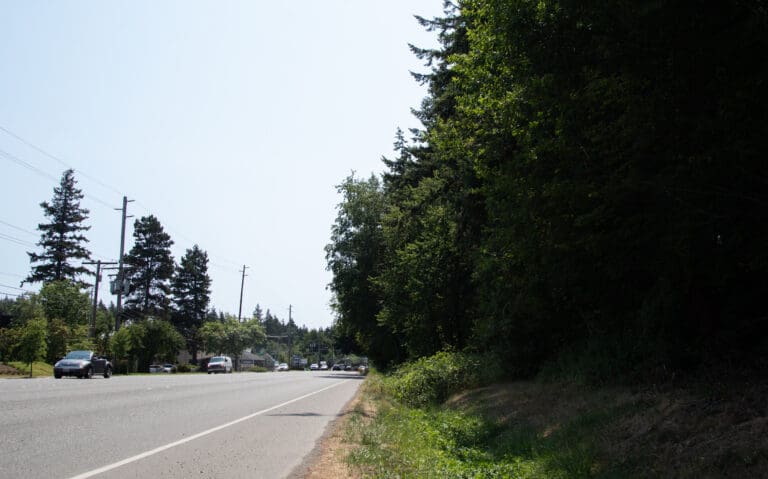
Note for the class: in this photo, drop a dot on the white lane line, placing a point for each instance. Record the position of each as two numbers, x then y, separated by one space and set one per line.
143 455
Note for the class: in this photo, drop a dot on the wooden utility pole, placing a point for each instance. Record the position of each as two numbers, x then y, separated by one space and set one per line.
120 270
242 283
95 295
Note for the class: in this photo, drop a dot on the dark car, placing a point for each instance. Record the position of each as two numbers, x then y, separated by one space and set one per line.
338 367
83 364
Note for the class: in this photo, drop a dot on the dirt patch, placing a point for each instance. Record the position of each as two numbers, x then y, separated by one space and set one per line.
6 370
329 458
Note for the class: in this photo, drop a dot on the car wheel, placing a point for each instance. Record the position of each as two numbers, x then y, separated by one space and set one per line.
107 373
88 373
209 372
57 376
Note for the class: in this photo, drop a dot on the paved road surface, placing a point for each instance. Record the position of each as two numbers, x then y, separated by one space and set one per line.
167 426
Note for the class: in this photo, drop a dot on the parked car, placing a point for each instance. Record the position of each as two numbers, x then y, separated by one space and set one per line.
323 365
314 367
282 367
155 368
338 367
83 364
168 368
220 364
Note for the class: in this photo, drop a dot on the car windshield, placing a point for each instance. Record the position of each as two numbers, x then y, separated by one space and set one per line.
216 360
78 355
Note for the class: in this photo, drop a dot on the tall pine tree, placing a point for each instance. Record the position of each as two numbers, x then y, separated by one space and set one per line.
149 270
61 239
191 289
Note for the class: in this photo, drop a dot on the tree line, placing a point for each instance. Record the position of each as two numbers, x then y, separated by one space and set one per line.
167 305
588 188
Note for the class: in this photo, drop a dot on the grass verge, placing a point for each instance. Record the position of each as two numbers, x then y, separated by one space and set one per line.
18 369
535 429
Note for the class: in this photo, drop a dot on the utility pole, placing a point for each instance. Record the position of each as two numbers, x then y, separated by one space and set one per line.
242 283
95 295
290 308
120 270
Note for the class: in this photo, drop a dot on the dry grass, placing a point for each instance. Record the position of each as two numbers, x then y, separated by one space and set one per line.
331 461
674 433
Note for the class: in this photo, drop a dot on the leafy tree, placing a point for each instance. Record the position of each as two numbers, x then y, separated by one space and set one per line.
160 341
61 239
191 288
149 268
9 338
231 337
64 300
355 256
67 311
105 325
31 346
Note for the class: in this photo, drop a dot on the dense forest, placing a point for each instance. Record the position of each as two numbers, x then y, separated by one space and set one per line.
589 186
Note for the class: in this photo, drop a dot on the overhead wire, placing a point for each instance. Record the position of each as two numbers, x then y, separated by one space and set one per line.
13 158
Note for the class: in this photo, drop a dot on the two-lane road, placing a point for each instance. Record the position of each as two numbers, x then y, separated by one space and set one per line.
170 426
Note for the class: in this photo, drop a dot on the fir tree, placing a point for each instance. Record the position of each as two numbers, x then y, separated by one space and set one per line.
191 288
61 239
149 269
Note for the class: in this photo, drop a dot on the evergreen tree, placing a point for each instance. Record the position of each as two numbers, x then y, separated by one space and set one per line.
61 239
191 288
149 270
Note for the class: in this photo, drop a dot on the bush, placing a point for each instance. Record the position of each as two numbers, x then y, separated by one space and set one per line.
257 369
183 368
432 380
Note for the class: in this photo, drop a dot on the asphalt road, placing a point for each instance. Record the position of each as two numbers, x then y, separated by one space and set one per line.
258 425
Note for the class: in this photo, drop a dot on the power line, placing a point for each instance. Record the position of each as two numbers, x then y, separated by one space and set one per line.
14 287
27 165
18 228
11 294
40 172
33 168
18 241
53 157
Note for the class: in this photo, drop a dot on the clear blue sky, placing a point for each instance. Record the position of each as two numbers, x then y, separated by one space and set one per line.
231 122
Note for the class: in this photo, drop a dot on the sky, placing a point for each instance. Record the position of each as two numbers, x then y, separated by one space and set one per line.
232 122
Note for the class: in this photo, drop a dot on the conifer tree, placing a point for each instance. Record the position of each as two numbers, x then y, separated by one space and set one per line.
191 289
61 239
149 270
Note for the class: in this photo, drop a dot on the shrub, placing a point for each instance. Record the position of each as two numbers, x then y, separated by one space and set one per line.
431 380
183 368
257 369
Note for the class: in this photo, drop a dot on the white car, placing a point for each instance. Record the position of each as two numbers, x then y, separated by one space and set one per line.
282 367
314 367
220 364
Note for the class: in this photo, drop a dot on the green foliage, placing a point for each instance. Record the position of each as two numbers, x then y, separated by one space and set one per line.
587 173
61 239
63 300
354 256
184 368
32 346
149 268
230 336
431 380
257 369
480 441
39 369
9 337
191 289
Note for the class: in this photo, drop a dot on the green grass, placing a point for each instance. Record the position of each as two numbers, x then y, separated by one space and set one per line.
39 369
467 441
